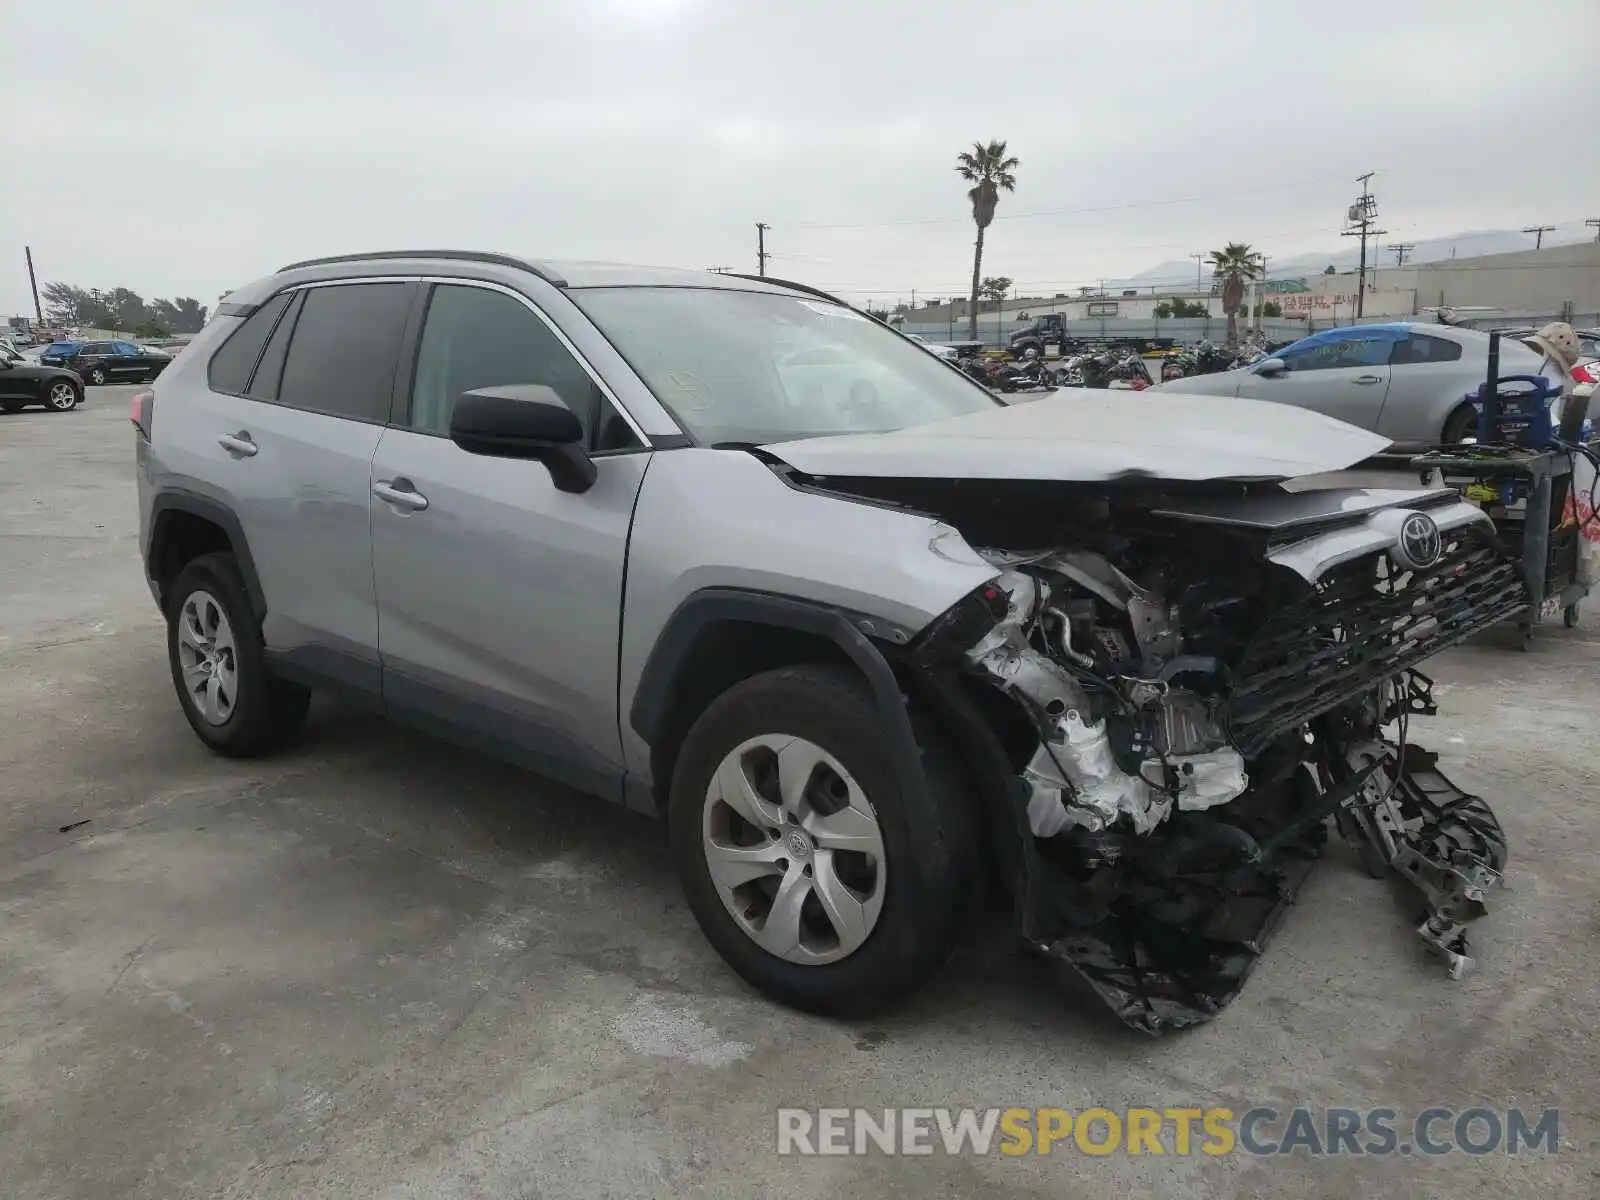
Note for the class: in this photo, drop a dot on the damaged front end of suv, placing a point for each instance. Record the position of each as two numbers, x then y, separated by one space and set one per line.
1171 686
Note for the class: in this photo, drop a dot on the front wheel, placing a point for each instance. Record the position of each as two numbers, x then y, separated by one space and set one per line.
819 872
61 396
1460 425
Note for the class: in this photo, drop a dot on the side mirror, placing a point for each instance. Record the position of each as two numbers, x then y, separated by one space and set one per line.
1270 366
524 421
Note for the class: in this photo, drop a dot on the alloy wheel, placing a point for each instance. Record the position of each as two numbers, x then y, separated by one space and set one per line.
794 850
208 658
62 396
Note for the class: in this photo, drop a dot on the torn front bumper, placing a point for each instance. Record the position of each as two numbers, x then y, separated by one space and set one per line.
1166 930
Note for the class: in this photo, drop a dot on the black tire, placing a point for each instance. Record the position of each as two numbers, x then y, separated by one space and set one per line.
1459 424
96 376
928 839
267 711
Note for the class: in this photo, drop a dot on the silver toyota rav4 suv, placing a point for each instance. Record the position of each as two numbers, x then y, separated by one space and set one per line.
873 644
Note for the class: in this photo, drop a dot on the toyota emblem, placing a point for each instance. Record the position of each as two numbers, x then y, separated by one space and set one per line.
1419 544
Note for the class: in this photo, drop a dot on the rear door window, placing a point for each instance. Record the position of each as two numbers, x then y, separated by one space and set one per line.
344 348
230 367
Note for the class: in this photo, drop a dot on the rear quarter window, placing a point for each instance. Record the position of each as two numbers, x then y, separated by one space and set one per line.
231 366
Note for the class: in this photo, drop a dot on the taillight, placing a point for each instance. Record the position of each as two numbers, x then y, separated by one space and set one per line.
142 410
1588 372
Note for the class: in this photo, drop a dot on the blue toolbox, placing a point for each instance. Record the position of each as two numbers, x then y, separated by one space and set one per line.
1519 414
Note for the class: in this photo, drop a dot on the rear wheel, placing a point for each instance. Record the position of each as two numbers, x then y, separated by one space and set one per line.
97 376
214 648
822 876
61 396
1460 425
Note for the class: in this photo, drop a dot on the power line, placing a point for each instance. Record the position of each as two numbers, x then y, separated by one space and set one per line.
1538 232
1302 185
1154 285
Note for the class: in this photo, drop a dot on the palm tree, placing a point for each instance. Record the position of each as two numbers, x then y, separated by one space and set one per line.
1232 267
990 172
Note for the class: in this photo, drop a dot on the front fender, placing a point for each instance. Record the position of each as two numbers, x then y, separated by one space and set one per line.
722 521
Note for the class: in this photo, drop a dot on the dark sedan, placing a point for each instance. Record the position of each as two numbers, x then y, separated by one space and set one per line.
108 362
22 384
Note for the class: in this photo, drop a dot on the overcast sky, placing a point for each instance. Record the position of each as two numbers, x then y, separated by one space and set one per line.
184 147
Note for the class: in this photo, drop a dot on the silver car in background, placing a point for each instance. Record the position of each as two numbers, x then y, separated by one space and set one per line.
1406 382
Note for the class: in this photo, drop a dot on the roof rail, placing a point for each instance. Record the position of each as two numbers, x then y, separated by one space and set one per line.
790 284
483 256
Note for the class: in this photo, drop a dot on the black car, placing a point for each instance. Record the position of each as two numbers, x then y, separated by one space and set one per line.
22 384
112 362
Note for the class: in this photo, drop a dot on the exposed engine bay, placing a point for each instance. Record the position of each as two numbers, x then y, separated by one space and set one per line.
1200 694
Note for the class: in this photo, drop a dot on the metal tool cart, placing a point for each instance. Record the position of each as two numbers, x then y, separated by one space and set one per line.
1520 471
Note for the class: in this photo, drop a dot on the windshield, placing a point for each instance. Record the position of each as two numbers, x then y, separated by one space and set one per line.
736 366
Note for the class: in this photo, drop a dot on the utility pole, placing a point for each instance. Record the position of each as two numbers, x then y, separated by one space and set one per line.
1594 223
1400 250
33 282
719 270
1538 232
1199 257
1359 221
761 247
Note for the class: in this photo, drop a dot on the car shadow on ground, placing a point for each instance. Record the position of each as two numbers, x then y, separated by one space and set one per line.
504 823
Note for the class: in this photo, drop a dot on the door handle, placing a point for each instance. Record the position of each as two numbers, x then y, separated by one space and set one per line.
239 444
400 493
1365 379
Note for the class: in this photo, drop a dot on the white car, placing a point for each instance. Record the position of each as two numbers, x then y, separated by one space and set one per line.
948 353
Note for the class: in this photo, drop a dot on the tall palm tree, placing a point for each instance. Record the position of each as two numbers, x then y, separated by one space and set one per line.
990 172
1233 266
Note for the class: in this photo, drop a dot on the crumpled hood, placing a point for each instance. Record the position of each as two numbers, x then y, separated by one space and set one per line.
1079 435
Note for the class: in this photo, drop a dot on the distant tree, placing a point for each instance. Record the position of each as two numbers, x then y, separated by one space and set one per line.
151 330
120 309
1163 310
63 303
1269 308
126 308
1233 266
995 288
990 171
1329 270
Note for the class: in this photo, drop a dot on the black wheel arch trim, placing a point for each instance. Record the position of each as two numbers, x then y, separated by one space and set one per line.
178 500
652 699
